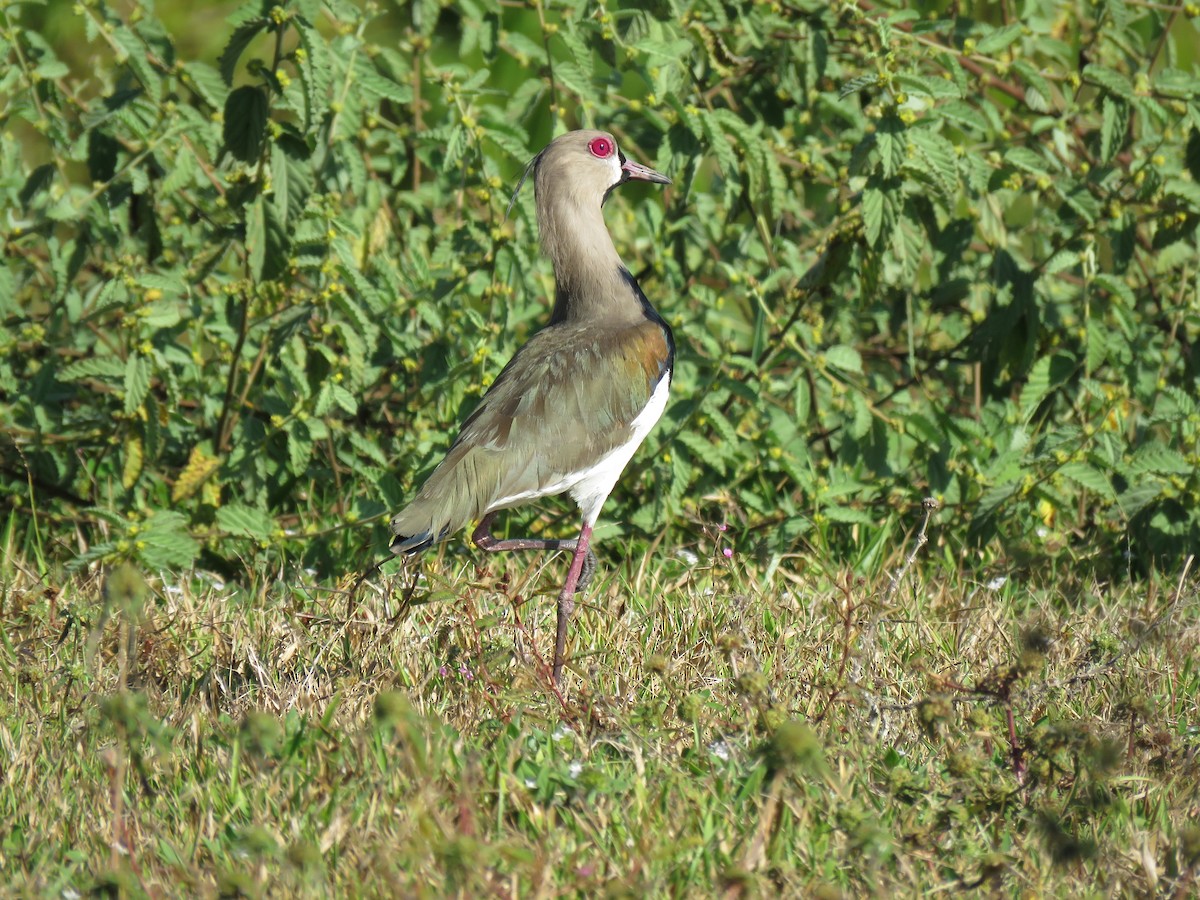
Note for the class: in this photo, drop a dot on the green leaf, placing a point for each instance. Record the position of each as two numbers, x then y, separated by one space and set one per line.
844 357
324 401
856 84
50 68
1097 344
909 245
1027 160
714 135
165 544
1138 497
965 115
1118 12
874 204
1047 373
206 82
39 181
1080 199
374 82
291 177
659 52
236 46
315 69
456 146
938 88
245 130
1089 477
344 399
138 370
995 496
1037 89
998 40
1160 460
164 314
1192 155
1113 128
239 519
1118 287
1176 83
702 449
180 174
939 156
103 367
860 422
580 49
1060 261
1108 79
892 140
1174 403
102 156
300 447
849 515
519 45
1188 191
251 9
133 48
267 240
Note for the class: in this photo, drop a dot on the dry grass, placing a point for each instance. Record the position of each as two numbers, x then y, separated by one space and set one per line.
717 732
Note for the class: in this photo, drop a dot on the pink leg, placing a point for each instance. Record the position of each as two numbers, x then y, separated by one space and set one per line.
566 599
483 539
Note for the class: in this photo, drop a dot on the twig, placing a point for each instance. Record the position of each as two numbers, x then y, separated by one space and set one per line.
930 505
371 570
1016 754
847 615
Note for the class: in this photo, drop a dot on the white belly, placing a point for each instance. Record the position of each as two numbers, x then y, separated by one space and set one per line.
590 487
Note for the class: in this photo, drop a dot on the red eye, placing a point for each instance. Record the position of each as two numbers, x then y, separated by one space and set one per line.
601 147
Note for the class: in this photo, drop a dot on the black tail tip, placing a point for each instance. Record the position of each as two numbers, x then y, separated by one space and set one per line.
403 546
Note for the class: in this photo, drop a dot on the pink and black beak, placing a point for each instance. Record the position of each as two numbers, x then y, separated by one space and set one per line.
631 171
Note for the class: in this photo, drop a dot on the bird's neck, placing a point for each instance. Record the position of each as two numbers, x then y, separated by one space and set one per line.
591 282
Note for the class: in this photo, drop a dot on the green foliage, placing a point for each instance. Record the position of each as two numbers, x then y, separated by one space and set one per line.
244 301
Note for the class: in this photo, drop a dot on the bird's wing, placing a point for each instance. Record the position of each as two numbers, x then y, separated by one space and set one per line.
565 400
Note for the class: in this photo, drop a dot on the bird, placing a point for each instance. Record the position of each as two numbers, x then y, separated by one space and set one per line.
567 412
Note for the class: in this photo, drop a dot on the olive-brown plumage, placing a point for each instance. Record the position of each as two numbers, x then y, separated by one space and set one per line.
569 409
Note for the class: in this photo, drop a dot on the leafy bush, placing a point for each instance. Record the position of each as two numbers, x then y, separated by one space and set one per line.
246 300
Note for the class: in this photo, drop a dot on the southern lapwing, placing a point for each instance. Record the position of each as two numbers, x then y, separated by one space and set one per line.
571 407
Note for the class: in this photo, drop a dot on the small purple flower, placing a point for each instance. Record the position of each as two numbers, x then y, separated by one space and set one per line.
443 671
723 527
728 552
465 671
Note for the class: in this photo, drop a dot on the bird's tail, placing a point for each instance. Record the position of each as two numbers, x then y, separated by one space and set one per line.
425 522
459 490
405 545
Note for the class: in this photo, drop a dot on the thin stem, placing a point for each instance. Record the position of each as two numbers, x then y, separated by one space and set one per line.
555 109
228 417
226 420
930 505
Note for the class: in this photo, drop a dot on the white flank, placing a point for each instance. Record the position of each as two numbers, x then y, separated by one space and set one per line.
590 487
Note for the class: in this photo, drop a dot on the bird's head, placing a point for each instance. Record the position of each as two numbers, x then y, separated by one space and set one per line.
572 178
586 166
593 159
